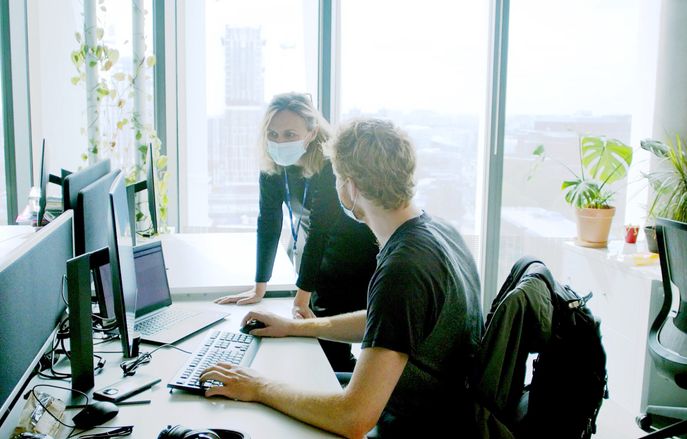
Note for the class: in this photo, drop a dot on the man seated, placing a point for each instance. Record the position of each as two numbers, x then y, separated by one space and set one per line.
423 321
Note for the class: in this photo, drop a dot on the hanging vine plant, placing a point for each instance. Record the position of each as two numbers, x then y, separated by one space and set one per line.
115 127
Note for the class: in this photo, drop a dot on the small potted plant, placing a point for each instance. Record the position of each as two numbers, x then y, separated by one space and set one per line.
668 183
603 161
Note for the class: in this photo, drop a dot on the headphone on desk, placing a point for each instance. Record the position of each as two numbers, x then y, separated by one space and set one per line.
181 432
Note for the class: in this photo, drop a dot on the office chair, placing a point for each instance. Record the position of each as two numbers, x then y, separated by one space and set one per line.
519 322
668 336
533 313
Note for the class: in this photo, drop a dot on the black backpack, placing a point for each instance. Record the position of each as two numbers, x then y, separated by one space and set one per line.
569 378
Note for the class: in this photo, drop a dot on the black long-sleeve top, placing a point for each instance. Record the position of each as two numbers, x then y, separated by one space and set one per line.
339 256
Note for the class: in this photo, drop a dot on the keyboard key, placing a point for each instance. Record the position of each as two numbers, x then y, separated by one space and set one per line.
218 347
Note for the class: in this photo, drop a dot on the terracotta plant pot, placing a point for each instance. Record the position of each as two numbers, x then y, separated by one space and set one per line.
593 226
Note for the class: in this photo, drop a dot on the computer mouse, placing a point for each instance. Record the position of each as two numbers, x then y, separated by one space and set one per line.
252 324
96 413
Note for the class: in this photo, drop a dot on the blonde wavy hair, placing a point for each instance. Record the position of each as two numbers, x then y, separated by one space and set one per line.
300 103
378 157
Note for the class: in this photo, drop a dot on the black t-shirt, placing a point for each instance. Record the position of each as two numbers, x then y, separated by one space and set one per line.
424 301
339 254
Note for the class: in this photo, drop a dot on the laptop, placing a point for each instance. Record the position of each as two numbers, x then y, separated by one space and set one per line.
157 319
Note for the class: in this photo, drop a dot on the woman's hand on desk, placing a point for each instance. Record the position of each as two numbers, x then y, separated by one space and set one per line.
254 295
239 383
301 305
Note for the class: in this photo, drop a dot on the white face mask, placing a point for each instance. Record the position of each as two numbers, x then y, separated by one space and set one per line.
286 153
349 212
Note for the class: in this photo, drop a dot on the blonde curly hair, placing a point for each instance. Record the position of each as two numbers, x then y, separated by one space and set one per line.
378 157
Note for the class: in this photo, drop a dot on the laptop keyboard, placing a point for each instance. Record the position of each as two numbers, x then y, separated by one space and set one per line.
164 320
218 347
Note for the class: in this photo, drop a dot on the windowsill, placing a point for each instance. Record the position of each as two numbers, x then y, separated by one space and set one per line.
631 258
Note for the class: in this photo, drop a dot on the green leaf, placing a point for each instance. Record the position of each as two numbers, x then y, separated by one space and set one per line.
139 135
114 55
656 147
539 150
605 159
150 61
162 162
75 80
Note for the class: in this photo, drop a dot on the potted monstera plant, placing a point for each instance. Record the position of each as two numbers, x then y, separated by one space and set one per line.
668 183
603 161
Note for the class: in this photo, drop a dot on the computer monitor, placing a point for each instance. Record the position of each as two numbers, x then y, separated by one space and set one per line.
43 177
32 297
122 267
149 185
151 279
74 182
91 214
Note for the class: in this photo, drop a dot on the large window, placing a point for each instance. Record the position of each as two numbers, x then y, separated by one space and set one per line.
423 66
566 79
57 105
59 96
3 176
236 55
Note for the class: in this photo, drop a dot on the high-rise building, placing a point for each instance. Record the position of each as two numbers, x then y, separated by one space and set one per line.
232 138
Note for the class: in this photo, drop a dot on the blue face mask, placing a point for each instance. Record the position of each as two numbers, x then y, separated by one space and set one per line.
287 153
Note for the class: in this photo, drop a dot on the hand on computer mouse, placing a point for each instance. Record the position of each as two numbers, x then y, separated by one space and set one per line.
252 324
274 325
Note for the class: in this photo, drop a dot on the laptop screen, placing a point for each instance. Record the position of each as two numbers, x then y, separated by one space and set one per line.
151 280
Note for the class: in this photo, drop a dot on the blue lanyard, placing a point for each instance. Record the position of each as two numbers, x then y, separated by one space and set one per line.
295 230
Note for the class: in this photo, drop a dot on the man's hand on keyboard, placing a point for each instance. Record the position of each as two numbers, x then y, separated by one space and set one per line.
237 382
275 326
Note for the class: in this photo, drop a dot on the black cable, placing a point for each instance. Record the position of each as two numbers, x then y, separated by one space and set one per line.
64 279
129 367
117 432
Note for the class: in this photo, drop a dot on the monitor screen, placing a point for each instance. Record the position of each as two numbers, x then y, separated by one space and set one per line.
151 280
150 186
91 215
122 266
33 301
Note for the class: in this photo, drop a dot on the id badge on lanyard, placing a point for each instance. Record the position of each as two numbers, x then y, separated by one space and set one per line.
295 229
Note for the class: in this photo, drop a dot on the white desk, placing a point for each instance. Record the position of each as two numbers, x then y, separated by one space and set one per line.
298 361
12 237
208 265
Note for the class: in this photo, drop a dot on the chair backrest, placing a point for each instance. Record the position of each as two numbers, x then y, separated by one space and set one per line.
668 336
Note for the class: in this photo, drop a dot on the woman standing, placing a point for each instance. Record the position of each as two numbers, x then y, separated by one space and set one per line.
339 254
